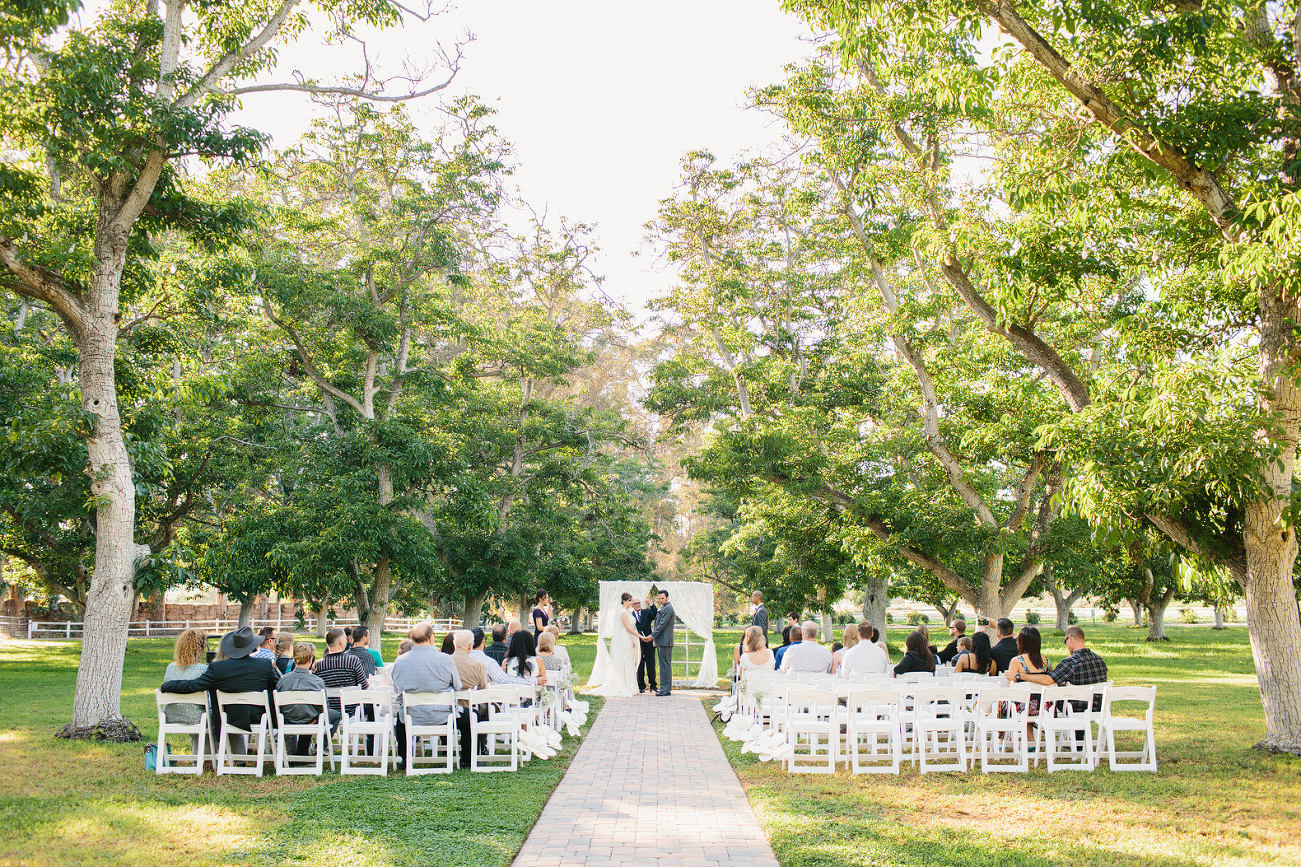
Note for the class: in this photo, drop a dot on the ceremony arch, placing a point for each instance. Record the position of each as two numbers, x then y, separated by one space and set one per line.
693 603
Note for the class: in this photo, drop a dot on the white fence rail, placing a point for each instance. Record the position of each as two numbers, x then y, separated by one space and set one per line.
150 628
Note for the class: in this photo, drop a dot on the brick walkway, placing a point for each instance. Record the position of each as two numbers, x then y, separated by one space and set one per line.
650 787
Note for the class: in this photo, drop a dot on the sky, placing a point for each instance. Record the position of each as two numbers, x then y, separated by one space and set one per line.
601 101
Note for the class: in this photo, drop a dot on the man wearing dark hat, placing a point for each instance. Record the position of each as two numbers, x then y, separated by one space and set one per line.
238 672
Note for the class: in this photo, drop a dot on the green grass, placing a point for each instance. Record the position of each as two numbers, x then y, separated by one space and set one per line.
1215 800
74 803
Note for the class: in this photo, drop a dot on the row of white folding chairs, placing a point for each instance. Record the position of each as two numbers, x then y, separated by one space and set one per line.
940 727
367 736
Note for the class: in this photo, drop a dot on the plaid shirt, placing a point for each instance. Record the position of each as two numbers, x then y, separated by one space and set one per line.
339 670
1081 668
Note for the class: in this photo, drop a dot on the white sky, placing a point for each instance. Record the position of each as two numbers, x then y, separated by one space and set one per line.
601 100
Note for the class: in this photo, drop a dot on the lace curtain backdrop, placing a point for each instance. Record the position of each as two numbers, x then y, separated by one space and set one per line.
693 603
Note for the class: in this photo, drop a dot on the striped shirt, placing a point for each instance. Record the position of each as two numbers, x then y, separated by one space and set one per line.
340 670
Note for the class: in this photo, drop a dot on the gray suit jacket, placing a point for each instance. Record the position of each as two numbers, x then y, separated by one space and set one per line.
662 633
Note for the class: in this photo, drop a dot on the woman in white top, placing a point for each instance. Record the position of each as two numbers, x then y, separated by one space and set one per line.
757 656
522 659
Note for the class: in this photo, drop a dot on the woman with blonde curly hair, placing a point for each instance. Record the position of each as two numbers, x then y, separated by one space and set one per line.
187 663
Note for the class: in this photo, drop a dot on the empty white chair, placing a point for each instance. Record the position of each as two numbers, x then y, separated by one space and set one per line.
371 723
1112 722
873 714
259 731
501 725
438 739
812 729
1064 712
318 729
939 728
999 719
916 676
173 763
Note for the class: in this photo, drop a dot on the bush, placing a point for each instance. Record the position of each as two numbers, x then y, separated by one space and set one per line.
1109 614
889 618
1187 615
1032 617
1071 618
916 618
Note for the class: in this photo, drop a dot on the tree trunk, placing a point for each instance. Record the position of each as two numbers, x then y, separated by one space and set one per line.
1156 610
1219 618
875 601
472 614
322 617
245 613
108 604
828 631
576 622
1062 602
1137 609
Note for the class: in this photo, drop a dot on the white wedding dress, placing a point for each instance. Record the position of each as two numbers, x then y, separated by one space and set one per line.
621 679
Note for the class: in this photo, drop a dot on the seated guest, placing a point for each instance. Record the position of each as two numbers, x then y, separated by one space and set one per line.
926 634
347 635
1005 649
1029 661
187 663
471 670
267 648
808 655
339 668
449 646
980 659
513 627
918 656
404 645
497 650
865 657
301 678
522 659
561 653
284 652
848 640
238 671
371 645
359 649
790 635
1082 667
424 669
957 631
756 656
964 648
551 661
496 676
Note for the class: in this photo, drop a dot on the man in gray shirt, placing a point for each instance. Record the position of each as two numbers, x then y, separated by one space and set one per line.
424 669
300 677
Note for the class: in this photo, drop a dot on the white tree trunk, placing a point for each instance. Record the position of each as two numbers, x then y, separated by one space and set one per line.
1272 621
576 622
1219 617
322 618
828 630
472 613
108 604
1156 618
246 613
1137 609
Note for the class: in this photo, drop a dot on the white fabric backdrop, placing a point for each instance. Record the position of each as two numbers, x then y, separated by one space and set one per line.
693 603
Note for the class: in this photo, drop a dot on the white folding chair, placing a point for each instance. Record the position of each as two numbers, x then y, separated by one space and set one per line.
916 676
997 719
1112 722
260 730
318 730
939 728
175 763
812 730
873 713
500 726
1064 711
438 738
371 721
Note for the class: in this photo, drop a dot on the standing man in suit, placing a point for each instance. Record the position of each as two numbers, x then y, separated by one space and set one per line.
645 619
662 635
760 618
238 672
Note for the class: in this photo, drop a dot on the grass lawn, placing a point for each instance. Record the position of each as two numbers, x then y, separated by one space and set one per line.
74 803
1214 802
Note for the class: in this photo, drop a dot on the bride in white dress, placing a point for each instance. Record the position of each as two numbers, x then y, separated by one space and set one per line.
625 653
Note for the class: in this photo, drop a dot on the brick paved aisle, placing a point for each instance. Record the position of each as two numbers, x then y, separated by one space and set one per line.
650 787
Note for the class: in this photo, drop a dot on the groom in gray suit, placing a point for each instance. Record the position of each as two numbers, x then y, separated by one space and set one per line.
662 635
